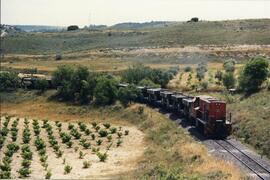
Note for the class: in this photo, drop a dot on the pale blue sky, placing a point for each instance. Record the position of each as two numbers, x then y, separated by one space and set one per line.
84 12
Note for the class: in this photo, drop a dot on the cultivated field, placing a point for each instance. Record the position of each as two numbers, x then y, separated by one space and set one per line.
159 144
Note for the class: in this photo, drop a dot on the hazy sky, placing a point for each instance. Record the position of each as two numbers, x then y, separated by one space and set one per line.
84 12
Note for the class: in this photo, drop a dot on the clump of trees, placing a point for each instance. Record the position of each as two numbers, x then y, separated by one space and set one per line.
9 81
74 84
253 75
138 73
73 28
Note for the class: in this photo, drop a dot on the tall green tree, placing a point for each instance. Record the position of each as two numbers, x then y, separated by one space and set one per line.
105 91
253 75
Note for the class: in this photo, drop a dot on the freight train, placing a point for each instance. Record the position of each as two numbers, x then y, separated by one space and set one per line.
205 112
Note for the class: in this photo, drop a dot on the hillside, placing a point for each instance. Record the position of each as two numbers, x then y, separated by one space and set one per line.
205 33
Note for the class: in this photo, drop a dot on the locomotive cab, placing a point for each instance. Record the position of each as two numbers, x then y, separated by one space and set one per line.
210 116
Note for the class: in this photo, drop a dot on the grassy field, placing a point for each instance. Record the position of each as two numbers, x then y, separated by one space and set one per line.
169 152
208 33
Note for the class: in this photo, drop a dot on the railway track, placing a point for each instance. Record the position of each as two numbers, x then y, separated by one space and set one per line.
253 165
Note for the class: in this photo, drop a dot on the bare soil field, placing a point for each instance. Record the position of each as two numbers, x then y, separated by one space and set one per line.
121 159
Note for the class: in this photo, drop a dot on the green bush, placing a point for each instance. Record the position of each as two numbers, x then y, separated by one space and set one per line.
187 69
228 80
48 175
253 75
86 164
40 144
113 130
26 163
8 81
107 125
24 172
102 156
105 91
67 169
229 65
103 133
128 94
148 83
99 142
201 70
41 84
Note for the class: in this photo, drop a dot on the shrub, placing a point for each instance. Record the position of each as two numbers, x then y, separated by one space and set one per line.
113 130
26 163
201 70
103 133
105 91
70 126
229 65
42 152
41 84
126 132
27 155
109 138
81 155
69 144
228 80
13 147
74 132
67 169
83 127
119 142
187 69
5 166
65 137
107 125
14 135
94 124
253 75
8 81
59 153
119 134
87 132
97 128
5 175
4 131
43 158
40 144
48 174
99 142
102 156
204 85
86 164
128 94
93 136
24 172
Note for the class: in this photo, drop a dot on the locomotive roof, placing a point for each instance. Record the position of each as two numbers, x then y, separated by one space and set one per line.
178 96
210 99
155 89
167 92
